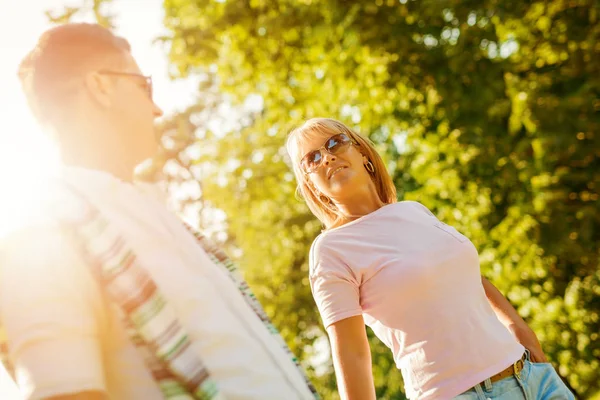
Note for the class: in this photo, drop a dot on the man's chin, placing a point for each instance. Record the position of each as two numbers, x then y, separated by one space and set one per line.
146 170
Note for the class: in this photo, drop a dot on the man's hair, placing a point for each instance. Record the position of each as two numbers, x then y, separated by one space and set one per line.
61 55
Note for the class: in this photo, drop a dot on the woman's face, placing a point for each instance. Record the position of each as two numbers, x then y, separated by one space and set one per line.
333 175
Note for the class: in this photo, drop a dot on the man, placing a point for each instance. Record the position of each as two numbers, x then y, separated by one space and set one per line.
66 338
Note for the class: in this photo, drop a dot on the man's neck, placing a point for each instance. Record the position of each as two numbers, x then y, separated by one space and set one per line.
98 156
87 144
118 169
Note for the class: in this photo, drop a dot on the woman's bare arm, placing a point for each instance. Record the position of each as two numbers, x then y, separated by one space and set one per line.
507 314
352 359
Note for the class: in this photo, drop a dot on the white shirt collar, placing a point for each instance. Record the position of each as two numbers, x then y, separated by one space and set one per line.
103 183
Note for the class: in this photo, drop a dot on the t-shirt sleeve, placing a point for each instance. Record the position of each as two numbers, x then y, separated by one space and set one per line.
51 310
422 208
334 286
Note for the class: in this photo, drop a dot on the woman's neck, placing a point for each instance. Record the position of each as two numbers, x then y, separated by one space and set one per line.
357 206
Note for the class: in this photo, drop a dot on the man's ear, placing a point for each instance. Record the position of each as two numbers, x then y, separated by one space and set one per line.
99 87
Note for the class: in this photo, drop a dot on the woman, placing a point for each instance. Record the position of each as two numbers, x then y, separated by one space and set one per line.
414 280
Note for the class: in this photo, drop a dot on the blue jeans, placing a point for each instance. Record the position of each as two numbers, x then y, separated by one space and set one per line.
537 382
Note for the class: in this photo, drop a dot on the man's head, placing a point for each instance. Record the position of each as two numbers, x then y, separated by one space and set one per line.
82 82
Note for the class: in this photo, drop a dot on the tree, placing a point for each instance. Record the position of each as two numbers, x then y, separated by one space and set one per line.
487 112
97 8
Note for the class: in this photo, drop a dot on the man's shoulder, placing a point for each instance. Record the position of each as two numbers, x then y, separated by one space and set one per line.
39 242
41 228
54 203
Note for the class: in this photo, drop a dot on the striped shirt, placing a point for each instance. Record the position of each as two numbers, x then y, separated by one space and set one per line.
70 338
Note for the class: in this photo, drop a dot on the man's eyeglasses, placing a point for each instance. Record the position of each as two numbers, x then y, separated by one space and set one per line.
147 80
334 145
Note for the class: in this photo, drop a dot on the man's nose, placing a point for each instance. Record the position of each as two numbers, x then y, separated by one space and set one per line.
157 111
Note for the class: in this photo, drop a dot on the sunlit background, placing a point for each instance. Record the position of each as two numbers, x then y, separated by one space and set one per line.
485 112
26 154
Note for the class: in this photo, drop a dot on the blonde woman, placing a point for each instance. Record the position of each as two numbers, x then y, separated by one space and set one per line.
413 279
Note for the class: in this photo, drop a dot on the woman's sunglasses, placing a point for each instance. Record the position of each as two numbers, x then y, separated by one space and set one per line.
334 145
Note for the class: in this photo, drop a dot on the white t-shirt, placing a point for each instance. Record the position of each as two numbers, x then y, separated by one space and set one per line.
65 337
417 283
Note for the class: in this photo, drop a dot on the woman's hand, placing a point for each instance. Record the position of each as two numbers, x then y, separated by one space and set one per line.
529 340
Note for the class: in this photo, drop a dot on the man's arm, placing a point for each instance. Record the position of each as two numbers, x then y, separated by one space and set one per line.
81 396
52 311
507 314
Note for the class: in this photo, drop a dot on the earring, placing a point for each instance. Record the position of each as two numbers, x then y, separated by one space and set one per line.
324 199
370 167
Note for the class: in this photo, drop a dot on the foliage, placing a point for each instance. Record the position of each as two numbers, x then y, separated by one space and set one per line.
97 8
487 112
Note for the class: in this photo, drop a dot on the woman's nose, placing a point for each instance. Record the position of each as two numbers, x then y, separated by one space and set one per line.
327 157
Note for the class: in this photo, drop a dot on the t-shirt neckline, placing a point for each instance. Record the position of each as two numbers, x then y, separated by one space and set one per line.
363 218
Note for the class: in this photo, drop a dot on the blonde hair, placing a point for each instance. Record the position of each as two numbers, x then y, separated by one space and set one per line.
327 212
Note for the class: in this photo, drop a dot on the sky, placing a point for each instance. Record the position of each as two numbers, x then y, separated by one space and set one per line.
26 155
